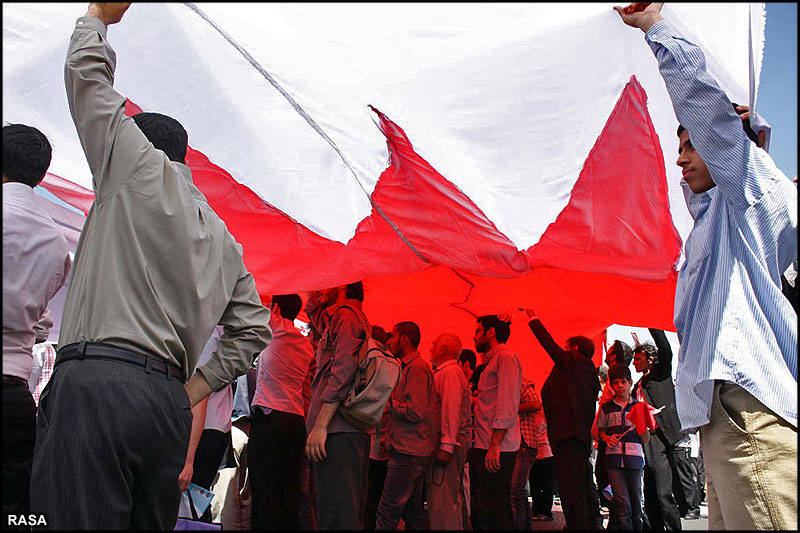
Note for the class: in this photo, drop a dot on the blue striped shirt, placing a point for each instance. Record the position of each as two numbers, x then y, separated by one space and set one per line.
733 322
612 418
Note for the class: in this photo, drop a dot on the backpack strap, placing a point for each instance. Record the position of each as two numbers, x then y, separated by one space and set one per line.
362 352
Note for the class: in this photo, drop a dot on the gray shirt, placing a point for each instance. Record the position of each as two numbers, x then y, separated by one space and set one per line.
337 362
155 269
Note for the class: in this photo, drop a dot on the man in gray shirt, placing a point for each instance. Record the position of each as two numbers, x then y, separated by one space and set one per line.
155 271
339 450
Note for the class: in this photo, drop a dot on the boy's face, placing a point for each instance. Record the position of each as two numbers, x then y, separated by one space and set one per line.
621 388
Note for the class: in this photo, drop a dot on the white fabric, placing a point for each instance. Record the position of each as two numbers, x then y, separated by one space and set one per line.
505 100
220 403
36 263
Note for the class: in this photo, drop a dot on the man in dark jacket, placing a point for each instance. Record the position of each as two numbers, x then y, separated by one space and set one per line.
656 387
568 396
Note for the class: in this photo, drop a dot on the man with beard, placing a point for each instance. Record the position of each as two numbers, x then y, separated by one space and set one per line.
497 432
568 396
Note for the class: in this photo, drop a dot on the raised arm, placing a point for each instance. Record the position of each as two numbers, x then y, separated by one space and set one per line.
556 352
736 165
663 368
98 111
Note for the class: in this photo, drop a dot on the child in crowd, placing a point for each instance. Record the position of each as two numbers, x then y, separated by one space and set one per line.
624 449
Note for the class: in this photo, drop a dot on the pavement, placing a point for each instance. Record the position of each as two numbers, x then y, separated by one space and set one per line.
558 523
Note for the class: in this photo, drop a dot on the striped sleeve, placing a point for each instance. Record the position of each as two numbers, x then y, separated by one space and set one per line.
704 109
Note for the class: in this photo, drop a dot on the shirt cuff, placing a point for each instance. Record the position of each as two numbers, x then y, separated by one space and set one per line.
660 30
92 23
504 423
449 448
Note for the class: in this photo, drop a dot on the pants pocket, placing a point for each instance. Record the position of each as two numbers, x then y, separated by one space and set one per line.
732 400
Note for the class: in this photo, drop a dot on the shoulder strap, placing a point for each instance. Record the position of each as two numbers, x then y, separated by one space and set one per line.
361 318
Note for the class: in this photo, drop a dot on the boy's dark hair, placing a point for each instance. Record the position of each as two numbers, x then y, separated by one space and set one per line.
165 133
623 352
410 330
26 154
289 304
748 129
355 291
468 356
502 330
619 371
380 335
584 345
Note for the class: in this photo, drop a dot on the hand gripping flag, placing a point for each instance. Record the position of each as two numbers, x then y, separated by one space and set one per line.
641 414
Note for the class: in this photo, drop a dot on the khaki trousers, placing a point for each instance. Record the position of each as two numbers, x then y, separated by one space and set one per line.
750 457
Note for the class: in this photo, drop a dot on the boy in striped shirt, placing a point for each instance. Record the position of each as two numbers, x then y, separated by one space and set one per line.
624 450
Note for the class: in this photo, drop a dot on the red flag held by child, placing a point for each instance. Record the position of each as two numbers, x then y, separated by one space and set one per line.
641 414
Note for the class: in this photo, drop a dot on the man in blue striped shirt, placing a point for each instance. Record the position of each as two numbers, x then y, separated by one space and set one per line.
737 365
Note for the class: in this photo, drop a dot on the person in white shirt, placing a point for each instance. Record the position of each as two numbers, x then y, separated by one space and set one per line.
36 263
277 426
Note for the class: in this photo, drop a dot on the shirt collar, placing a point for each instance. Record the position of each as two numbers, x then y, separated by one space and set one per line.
444 365
348 302
494 351
697 203
408 358
16 189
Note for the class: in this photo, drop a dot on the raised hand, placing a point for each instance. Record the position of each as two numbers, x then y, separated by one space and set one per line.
641 15
108 12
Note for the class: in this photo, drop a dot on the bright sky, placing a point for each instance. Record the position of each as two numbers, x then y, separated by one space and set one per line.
777 103
777 94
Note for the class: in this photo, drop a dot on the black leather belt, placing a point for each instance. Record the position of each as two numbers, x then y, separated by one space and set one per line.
14 379
97 350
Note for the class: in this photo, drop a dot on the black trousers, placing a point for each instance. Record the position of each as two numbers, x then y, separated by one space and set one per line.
492 503
659 502
275 447
341 481
19 437
208 457
543 479
111 441
684 481
377 476
575 484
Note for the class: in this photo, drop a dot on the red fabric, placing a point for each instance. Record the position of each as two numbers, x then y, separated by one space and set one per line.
428 254
641 414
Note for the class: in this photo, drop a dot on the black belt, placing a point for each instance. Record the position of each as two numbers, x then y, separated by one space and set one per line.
14 379
96 350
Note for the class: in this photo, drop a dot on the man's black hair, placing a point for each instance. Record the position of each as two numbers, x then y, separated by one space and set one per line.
355 291
380 335
585 345
619 371
289 304
410 330
502 330
26 154
165 133
648 349
468 356
748 129
623 352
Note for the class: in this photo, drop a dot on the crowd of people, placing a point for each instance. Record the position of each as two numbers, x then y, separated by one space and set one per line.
172 370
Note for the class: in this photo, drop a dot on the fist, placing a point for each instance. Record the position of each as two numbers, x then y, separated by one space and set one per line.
108 12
